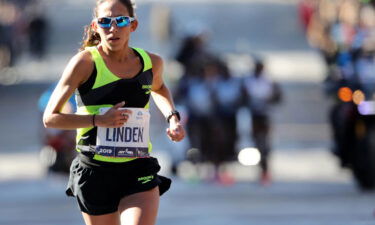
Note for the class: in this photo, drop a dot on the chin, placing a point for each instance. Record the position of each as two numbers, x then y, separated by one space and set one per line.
115 47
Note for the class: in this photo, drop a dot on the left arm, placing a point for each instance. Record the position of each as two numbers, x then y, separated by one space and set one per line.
163 99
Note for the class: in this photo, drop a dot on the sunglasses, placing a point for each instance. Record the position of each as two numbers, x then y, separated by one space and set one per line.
121 21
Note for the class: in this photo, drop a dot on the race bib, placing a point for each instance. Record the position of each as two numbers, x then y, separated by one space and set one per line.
130 140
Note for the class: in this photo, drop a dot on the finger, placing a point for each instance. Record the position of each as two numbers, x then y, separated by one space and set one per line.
126 111
119 105
124 116
175 137
173 133
182 132
123 119
120 123
180 138
176 131
169 134
179 135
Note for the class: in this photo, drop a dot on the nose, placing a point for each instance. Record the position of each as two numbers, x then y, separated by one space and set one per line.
113 26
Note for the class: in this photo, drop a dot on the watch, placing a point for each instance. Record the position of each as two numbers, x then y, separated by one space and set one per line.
175 112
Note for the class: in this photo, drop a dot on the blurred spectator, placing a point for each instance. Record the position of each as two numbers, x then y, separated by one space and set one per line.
8 17
194 91
15 25
212 97
260 94
318 29
38 35
193 52
340 29
227 99
344 31
200 107
306 10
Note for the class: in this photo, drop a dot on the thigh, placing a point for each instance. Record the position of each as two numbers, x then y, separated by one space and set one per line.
140 208
107 219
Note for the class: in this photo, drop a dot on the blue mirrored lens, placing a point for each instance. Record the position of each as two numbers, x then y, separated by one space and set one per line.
105 22
122 21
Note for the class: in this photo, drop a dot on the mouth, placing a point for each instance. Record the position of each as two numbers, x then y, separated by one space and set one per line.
111 39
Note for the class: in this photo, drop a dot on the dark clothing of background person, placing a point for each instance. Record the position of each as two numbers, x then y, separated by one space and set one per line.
261 93
38 36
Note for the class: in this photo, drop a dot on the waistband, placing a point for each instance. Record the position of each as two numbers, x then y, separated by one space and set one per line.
86 160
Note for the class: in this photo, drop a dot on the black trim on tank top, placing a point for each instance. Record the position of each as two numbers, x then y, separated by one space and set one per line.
142 61
130 91
89 83
131 78
142 66
91 140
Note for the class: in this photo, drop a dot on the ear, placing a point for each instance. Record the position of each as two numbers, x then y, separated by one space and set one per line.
94 25
134 25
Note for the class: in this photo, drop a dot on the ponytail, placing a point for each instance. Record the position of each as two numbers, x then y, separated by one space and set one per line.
90 38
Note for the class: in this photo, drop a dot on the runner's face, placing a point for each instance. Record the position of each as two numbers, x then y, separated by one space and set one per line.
114 38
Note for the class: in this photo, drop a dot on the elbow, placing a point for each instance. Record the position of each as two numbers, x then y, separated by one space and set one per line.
47 121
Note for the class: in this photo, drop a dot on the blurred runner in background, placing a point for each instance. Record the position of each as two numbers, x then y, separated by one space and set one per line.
227 98
261 93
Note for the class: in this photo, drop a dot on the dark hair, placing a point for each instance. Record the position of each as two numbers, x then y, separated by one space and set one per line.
92 38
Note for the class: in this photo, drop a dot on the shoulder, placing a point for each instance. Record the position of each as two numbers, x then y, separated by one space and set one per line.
155 59
82 59
81 66
157 62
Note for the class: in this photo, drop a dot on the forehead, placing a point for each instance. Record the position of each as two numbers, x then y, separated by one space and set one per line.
112 8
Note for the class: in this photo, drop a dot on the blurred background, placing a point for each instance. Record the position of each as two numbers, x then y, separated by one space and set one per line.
276 97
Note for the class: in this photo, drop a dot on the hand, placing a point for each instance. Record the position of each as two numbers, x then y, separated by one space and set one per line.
175 131
114 117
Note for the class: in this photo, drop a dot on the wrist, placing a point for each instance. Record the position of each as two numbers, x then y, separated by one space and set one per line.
95 120
174 120
173 116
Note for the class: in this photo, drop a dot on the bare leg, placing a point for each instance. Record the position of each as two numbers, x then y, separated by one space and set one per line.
107 219
140 208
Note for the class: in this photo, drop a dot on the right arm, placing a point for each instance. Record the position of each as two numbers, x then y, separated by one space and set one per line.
77 72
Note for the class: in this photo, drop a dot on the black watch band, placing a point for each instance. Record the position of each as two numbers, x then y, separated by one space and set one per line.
175 112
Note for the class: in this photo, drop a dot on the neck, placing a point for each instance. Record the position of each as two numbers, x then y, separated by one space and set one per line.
119 55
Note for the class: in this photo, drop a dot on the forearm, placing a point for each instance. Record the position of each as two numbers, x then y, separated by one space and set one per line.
68 121
163 100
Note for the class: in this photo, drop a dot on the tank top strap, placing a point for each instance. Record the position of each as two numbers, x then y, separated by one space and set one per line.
99 62
104 76
146 59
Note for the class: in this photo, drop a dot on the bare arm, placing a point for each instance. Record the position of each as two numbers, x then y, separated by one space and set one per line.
160 91
163 99
76 72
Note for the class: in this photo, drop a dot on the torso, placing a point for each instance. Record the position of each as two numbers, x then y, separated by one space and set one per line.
106 87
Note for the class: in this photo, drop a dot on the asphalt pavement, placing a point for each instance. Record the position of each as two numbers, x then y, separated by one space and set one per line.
42 202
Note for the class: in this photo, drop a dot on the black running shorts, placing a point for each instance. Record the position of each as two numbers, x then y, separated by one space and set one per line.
99 188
